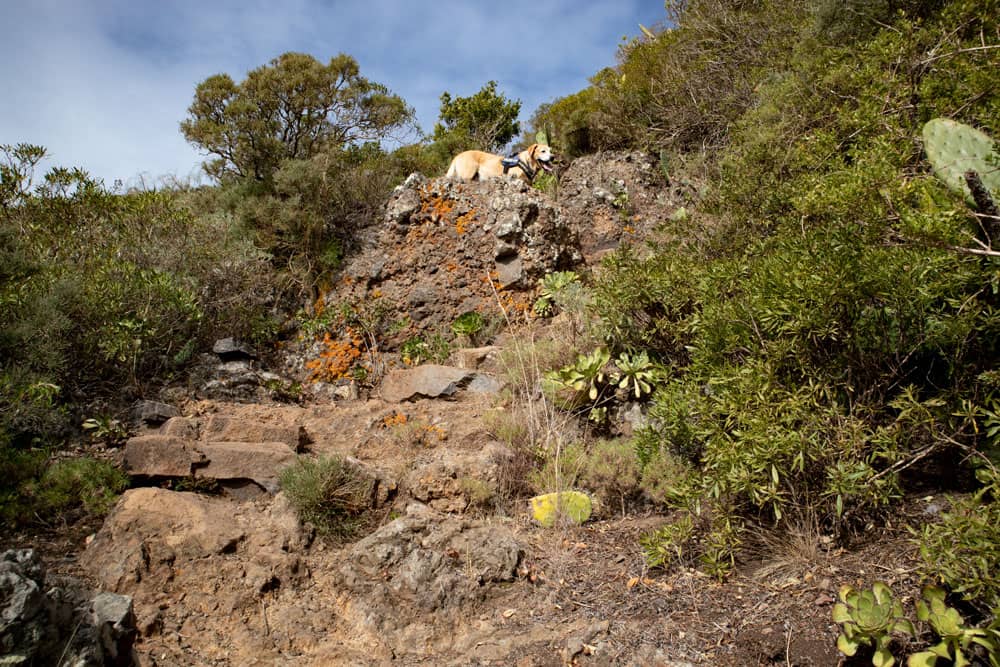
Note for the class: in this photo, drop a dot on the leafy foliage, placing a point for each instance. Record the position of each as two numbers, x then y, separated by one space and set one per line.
962 551
291 108
551 286
104 291
468 324
39 492
826 321
486 120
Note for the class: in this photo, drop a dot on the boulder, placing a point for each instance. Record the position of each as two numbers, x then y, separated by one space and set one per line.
260 462
48 622
152 413
227 429
422 564
451 481
426 381
161 456
471 358
151 529
447 247
231 349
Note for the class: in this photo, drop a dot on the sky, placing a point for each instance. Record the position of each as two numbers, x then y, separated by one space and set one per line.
104 84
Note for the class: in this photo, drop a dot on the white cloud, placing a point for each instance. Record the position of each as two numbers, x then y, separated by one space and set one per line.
104 83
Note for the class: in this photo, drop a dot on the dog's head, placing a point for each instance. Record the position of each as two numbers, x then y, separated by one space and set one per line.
542 156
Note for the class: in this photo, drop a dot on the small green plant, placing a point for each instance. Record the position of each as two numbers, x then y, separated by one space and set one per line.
962 550
414 351
289 392
479 493
956 638
73 484
622 203
584 379
670 544
468 324
636 373
869 618
611 472
552 284
106 429
328 492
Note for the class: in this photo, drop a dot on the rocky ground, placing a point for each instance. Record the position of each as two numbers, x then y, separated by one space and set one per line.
222 572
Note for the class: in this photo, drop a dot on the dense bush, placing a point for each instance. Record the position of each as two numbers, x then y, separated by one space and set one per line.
105 292
835 333
39 492
308 219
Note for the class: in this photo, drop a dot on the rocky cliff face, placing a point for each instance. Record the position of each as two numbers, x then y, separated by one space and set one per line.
446 248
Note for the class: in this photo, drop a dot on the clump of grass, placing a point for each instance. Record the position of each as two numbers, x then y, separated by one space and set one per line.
329 492
70 488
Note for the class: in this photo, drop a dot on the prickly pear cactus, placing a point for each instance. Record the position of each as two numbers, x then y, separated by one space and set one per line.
953 149
542 137
574 505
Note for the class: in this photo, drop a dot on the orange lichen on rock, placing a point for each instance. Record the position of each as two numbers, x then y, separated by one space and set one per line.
336 359
395 419
435 206
463 221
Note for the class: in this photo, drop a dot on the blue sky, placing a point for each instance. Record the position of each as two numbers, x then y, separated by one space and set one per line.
103 84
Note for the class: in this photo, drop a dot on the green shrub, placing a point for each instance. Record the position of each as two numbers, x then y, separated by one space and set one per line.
551 287
962 551
35 492
329 492
692 538
958 641
610 470
649 303
104 290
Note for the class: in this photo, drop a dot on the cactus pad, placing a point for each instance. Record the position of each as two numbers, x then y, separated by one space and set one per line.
953 149
571 504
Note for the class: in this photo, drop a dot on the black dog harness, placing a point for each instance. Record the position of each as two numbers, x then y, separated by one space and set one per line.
515 161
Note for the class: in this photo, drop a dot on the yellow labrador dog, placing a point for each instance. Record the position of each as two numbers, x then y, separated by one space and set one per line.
477 165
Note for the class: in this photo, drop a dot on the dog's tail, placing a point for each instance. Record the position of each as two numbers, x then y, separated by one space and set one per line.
452 168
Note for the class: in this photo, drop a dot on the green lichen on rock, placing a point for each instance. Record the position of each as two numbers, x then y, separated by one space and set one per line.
954 148
575 506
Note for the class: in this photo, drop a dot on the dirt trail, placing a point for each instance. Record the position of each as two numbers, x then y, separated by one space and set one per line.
223 582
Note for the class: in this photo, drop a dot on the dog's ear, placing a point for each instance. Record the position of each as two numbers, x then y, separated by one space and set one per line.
532 149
